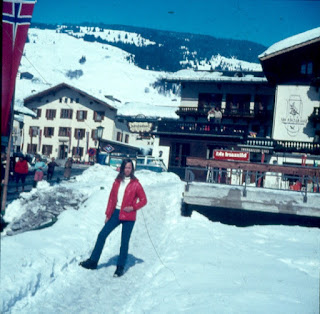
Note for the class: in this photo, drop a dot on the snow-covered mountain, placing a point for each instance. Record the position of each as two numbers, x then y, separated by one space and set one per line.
81 57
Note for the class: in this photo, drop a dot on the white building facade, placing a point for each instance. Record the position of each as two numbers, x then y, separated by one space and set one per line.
66 123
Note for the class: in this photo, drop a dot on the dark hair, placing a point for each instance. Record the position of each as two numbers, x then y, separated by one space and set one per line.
123 165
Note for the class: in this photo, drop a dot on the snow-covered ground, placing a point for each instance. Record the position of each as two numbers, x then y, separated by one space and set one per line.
175 265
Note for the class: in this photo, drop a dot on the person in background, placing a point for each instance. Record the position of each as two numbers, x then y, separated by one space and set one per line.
211 113
51 165
39 167
126 197
217 115
11 168
67 168
21 171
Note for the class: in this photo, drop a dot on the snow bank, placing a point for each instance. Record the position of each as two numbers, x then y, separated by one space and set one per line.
175 264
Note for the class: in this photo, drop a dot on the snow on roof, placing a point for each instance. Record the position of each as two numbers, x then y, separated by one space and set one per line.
18 117
24 110
203 76
65 85
148 110
292 41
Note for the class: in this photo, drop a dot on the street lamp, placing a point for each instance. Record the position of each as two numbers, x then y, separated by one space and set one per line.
99 132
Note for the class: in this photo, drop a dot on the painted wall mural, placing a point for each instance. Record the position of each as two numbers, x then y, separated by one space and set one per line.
294 105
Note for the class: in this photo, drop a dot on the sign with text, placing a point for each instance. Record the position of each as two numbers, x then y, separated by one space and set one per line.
140 127
231 155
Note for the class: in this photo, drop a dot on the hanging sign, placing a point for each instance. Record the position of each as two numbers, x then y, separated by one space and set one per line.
140 127
108 148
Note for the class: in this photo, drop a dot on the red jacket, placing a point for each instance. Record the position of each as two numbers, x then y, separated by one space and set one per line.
21 167
134 196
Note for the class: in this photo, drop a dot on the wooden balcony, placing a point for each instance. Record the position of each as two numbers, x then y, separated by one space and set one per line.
239 131
285 146
226 113
297 147
202 128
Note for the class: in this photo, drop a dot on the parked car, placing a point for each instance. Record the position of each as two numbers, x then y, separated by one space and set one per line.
151 163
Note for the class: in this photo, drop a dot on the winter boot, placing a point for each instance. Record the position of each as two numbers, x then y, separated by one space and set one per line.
89 264
119 271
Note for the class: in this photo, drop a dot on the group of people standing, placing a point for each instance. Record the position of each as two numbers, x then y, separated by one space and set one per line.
21 170
215 115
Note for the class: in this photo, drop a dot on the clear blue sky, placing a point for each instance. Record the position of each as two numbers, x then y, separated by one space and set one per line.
262 21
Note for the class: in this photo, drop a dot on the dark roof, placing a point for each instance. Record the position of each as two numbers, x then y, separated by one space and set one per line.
61 86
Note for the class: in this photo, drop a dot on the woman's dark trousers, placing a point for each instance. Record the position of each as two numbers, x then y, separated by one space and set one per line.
110 225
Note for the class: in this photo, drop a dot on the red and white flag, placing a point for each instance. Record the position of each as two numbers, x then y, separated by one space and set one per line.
16 18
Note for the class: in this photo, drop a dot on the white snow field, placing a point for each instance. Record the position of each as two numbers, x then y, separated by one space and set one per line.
175 264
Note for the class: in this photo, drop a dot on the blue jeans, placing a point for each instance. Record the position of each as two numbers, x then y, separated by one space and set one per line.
110 225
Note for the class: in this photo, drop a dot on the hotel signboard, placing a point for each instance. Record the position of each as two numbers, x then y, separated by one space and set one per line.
231 155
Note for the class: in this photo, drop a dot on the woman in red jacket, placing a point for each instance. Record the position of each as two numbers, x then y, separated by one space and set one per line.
21 171
126 197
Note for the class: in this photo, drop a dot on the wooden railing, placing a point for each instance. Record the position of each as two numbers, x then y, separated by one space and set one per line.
226 112
284 146
202 128
300 147
290 170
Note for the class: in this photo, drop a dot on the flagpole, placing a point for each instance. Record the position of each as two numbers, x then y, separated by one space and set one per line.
6 178
15 22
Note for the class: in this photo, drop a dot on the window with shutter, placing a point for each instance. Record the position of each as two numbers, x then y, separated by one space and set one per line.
50 114
98 116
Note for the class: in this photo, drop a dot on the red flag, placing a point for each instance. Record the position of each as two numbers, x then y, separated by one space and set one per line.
40 138
16 18
69 135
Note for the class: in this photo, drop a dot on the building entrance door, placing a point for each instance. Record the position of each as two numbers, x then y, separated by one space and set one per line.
63 151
